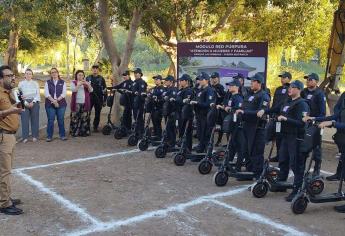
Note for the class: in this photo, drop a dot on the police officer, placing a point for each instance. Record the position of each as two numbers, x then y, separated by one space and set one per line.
243 90
234 103
292 129
316 100
254 127
337 121
219 92
184 110
170 110
157 93
99 94
139 87
279 98
202 102
125 89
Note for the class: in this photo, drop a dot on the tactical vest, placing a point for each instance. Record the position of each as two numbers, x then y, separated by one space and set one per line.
289 110
312 102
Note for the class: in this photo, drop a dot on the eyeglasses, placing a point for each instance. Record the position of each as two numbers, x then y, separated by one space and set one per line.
11 76
310 79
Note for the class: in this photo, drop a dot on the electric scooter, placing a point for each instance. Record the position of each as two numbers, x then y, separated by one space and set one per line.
106 130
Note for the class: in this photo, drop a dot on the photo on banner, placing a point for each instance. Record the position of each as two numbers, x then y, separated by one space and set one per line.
228 59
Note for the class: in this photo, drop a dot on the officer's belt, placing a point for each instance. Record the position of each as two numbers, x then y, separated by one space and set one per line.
2 131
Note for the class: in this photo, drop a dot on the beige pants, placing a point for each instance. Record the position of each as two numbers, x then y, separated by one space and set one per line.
7 143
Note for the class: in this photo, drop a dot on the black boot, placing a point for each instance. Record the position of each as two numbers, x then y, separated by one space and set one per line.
340 209
317 168
336 176
291 195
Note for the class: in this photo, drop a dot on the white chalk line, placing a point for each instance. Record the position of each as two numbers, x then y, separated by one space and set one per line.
258 218
78 160
63 201
113 225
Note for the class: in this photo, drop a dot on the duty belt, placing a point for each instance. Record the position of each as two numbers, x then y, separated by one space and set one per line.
7 132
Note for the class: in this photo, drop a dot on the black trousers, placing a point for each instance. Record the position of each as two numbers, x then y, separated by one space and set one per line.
201 126
138 113
157 122
291 158
97 104
189 132
171 129
127 117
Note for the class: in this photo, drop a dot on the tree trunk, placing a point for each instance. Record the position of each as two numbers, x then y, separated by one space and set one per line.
10 57
172 54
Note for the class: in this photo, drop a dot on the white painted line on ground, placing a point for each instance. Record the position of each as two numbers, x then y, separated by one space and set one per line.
254 217
79 160
113 225
63 201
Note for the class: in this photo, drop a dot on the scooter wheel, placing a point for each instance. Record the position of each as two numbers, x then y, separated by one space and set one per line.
179 159
106 130
118 134
221 178
205 167
260 190
143 145
132 140
160 152
299 205
316 186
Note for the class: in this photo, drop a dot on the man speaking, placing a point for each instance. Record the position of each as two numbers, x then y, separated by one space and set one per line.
9 123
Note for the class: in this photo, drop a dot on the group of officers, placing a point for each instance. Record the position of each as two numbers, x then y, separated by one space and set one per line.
205 102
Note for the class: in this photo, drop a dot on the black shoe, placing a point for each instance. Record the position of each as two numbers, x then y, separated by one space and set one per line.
274 159
340 209
95 129
11 210
291 196
316 173
334 177
16 201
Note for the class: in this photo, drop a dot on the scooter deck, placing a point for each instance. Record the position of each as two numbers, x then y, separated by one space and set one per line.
280 186
195 157
243 176
332 197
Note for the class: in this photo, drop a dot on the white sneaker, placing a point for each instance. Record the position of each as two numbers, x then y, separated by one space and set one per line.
34 140
25 140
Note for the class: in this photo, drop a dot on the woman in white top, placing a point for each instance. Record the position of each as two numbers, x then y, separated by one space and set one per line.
80 105
31 95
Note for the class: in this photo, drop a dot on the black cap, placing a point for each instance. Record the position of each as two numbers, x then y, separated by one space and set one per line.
138 71
257 77
95 66
203 76
297 84
238 76
125 73
312 76
234 82
285 74
184 77
157 77
215 75
169 78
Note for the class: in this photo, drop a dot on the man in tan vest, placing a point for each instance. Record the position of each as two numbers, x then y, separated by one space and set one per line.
9 123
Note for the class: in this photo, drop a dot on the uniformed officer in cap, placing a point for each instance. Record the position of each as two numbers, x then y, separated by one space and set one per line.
170 111
139 87
219 92
125 89
254 127
238 142
184 110
243 90
280 96
292 130
202 102
157 94
316 100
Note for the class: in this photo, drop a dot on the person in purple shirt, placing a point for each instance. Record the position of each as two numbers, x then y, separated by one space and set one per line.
55 104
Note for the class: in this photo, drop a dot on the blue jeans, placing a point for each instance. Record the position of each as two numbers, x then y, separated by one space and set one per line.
60 114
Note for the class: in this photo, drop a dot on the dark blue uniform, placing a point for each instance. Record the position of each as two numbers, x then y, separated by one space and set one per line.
316 100
279 98
169 110
125 89
292 134
98 96
204 98
215 116
238 144
185 114
254 128
157 110
139 87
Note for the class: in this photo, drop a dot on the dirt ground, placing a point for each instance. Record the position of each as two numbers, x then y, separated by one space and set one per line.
99 186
